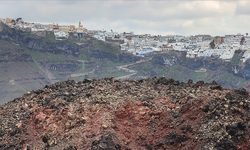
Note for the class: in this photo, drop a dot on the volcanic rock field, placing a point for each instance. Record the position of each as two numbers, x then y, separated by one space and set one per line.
109 114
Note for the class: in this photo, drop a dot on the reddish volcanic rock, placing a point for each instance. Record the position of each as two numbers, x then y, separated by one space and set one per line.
109 114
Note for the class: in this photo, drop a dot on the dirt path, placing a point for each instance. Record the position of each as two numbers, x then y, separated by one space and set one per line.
82 74
50 76
126 76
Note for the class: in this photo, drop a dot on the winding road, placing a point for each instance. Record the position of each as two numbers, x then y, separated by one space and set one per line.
133 72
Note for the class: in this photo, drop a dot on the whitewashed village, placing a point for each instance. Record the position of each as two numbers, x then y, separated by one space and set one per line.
222 47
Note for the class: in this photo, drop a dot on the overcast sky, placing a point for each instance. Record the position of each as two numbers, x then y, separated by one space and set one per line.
183 17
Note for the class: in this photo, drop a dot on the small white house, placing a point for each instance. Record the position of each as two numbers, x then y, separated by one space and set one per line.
60 35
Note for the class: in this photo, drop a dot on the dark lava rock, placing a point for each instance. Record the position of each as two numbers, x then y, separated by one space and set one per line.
190 81
236 131
105 143
241 126
225 145
229 96
163 80
216 87
45 138
199 83
174 139
233 129
176 83
71 148
185 108
242 92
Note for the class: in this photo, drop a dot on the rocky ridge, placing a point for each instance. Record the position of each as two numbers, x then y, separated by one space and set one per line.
154 113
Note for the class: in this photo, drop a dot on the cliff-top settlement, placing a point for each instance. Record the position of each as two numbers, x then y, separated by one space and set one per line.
61 32
196 46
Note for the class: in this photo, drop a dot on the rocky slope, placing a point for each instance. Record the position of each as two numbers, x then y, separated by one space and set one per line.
18 72
131 114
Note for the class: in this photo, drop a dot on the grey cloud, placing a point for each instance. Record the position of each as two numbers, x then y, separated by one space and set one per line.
243 9
181 16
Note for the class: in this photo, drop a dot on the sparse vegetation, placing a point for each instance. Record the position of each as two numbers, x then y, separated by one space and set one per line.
50 37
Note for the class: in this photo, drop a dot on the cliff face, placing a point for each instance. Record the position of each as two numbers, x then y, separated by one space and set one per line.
36 43
1 26
192 63
98 49
230 74
155 113
59 47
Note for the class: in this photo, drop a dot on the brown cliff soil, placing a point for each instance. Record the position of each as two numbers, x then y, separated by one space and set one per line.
108 114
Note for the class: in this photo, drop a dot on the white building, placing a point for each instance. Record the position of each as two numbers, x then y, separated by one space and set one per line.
60 35
246 56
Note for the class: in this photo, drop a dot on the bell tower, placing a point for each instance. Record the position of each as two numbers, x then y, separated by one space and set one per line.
80 24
